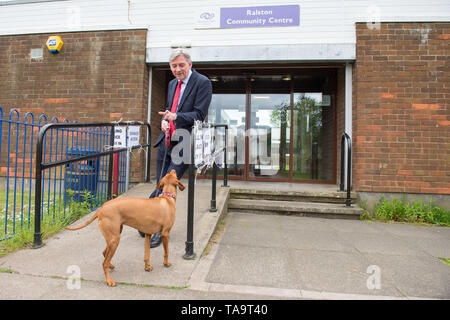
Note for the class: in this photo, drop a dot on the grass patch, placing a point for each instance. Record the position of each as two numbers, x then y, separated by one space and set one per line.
220 227
54 219
445 260
6 270
15 211
411 212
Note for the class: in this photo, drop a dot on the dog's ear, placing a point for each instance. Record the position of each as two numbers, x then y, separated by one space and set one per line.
181 186
160 184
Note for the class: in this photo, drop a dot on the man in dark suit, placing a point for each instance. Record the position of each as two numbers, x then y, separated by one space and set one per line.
188 100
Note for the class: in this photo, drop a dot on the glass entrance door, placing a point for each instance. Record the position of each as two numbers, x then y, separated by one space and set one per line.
269 128
281 127
313 129
228 106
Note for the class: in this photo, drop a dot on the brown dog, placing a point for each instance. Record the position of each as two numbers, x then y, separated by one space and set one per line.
147 215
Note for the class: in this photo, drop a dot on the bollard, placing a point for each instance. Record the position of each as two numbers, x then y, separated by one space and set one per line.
225 166
115 178
189 251
37 242
213 189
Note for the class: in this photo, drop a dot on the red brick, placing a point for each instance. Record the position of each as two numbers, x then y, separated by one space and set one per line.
444 36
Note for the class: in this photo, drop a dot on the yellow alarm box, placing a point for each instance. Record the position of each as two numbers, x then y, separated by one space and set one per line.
54 44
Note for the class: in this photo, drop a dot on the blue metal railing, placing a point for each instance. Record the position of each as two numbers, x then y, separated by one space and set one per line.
85 163
17 169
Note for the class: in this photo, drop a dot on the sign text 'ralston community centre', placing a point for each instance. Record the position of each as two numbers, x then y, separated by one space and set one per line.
249 17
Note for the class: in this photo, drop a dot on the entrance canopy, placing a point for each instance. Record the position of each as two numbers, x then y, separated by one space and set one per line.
336 52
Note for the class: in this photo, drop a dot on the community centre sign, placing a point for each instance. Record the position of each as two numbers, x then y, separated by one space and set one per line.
248 17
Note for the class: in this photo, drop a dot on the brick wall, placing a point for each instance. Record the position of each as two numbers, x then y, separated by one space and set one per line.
401 115
98 76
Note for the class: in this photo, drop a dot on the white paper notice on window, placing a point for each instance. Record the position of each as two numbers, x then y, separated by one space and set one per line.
206 143
133 135
120 136
198 154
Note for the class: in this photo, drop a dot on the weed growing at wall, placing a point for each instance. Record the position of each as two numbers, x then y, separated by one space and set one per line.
411 212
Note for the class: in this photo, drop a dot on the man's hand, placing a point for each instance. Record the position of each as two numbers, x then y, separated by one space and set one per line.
165 126
169 116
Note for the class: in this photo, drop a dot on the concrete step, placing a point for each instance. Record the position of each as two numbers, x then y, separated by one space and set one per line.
297 196
308 209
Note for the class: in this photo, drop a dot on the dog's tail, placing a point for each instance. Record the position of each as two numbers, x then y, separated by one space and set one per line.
95 216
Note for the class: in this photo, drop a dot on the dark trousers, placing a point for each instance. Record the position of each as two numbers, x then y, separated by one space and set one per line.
164 157
180 169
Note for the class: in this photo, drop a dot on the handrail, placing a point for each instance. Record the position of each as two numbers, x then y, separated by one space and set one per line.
345 137
40 165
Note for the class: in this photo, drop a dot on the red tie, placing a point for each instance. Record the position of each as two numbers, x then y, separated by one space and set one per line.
173 110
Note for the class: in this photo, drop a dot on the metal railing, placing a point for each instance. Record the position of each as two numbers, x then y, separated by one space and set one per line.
189 250
17 139
346 138
90 161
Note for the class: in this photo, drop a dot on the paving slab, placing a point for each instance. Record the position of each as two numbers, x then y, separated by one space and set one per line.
414 275
337 271
327 259
252 266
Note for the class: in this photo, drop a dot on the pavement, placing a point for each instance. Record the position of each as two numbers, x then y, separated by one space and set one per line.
239 256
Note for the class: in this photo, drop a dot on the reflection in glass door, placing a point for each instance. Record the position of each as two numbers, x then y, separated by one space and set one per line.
269 134
228 107
313 129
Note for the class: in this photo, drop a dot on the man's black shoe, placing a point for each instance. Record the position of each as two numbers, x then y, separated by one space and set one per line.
156 240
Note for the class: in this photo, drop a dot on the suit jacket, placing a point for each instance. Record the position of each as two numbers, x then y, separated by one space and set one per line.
194 103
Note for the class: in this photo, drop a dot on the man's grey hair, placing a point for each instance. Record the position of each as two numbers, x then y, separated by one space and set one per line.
180 52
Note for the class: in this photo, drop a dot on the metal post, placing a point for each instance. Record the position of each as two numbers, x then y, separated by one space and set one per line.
115 178
111 164
348 184
37 243
149 140
127 161
341 185
213 189
349 170
190 255
225 166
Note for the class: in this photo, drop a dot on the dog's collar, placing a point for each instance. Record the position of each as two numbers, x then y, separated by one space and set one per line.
169 194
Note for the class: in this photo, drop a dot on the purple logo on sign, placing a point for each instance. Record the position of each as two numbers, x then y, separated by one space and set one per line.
262 16
207 15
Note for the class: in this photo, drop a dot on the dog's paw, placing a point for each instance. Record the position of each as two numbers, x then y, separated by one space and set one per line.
111 283
167 264
148 268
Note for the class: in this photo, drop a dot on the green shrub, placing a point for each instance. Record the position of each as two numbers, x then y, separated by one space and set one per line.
412 212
